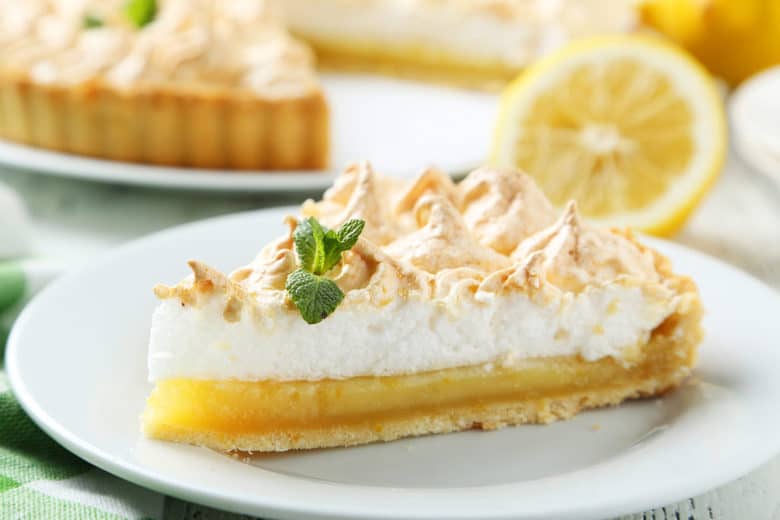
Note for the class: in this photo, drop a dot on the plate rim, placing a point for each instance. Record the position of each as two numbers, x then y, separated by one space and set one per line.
42 161
155 480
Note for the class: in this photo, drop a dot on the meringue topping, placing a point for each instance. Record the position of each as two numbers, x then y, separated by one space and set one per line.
494 232
240 44
439 278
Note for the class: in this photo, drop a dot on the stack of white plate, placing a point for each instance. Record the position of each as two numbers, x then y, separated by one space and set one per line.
755 119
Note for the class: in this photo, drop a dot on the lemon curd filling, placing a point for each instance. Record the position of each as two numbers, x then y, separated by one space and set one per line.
458 306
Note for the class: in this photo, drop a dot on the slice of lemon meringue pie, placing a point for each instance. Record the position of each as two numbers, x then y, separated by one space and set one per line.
395 308
477 43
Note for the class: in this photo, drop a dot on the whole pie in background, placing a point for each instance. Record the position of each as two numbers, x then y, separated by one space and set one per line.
222 84
472 43
204 84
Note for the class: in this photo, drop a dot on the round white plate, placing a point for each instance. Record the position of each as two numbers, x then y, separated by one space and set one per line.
76 361
754 111
400 126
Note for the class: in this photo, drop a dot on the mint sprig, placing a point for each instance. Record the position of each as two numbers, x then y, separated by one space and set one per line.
319 249
315 296
141 12
92 22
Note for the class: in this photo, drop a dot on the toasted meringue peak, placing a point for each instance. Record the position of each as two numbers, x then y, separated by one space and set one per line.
358 193
503 207
571 254
392 277
271 267
443 241
457 284
430 238
430 180
268 272
204 283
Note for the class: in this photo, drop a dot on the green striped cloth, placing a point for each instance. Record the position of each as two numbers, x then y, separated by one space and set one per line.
38 478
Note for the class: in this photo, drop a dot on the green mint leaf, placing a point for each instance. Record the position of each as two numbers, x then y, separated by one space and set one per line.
92 22
332 250
319 249
349 232
309 244
314 296
141 12
336 242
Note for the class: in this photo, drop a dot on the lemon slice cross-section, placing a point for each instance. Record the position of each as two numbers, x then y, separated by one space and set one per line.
630 127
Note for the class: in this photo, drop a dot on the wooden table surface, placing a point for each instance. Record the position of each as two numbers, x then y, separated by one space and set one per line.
739 222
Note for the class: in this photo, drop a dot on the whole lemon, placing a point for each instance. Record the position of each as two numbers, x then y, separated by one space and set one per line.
733 38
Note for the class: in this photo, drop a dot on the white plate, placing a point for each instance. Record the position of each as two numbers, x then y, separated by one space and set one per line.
754 111
398 125
76 361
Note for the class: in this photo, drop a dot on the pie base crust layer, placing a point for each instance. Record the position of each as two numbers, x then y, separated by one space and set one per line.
280 416
174 126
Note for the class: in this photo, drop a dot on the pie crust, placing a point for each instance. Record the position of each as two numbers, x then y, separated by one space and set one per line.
172 126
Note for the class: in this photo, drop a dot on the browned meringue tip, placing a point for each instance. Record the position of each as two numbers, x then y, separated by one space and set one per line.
162 291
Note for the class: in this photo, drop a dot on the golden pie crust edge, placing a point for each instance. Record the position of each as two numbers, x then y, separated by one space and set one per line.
171 126
674 342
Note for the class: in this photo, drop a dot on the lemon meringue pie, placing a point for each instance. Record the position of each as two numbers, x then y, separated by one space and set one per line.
465 305
476 43
200 83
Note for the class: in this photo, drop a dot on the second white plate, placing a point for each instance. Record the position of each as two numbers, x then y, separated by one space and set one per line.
399 125
76 360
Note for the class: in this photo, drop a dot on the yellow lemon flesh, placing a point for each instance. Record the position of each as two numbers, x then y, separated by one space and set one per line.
631 128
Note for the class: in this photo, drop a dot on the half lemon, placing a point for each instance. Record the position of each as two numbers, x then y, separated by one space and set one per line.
630 127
